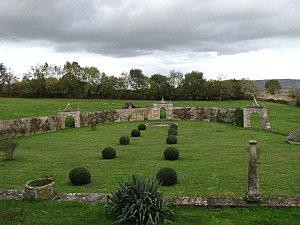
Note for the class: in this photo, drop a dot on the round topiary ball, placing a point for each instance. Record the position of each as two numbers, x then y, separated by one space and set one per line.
174 126
108 153
80 176
171 139
135 133
171 153
124 140
167 176
172 131
142 126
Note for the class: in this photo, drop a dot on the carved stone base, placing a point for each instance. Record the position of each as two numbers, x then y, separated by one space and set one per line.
252 198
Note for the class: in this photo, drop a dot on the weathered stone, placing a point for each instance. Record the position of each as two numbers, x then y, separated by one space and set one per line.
294 137
253 194
44 192
262 112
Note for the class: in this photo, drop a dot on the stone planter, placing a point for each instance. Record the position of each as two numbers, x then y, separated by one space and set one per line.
41 189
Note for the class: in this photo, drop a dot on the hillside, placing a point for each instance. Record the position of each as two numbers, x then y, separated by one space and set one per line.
286 84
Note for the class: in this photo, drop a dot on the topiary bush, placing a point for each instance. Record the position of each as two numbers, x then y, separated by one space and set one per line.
172 131
109 153
124 140
171 153
80 176
142 126
138 201
8 147
167 176
135 133
174 126
171 139
69 122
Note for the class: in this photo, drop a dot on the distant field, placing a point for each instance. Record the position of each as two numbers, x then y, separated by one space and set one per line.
69 213
283 118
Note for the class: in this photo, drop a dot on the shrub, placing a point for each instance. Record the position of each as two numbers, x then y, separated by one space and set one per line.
124 140
174 126
171 153
135 133
108 153
8 147
80 176
171 139
142 126
172 131
93 125
167 176
239 117
138 201
69 122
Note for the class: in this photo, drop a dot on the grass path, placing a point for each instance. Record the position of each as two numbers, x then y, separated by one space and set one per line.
69 213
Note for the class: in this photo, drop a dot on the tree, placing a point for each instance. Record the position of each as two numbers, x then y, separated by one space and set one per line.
192 86
159 87
138 82
7 79
175 78
272 86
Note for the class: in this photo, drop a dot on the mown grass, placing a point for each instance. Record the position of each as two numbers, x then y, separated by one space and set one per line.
283 118
52 212
213 159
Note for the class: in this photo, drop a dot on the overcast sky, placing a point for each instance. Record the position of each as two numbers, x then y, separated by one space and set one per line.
256 39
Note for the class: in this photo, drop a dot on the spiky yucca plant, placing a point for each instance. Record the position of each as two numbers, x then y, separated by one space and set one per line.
138 201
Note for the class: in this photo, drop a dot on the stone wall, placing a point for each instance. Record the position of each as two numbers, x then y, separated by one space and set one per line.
34 125
210 114
28 126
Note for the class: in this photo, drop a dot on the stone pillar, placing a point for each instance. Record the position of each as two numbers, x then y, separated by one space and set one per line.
253 194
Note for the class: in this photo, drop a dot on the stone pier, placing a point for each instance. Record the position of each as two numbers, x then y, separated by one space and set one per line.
253 194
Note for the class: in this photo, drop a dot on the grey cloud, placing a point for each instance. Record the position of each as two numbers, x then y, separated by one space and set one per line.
124 28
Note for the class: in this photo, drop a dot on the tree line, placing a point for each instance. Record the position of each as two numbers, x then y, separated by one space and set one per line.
75 81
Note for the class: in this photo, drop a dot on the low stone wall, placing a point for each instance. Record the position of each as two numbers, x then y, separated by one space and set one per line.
35 125
210 114
28 126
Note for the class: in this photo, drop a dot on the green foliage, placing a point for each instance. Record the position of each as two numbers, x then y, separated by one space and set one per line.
80 176
135 133
8 147
40 182
142 126
171 139
124 140
172 131
272 86
173 126
239 117
171 153
93 125
109 153
69 122
138 201
167 176
163 113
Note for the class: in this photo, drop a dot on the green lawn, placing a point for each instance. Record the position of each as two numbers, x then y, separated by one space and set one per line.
283 118
213 159
52 213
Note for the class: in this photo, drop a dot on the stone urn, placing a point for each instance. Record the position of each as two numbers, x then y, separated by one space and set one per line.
42 189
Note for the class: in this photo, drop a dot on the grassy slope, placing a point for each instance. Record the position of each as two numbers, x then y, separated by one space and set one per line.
51 212
282 117
214 159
